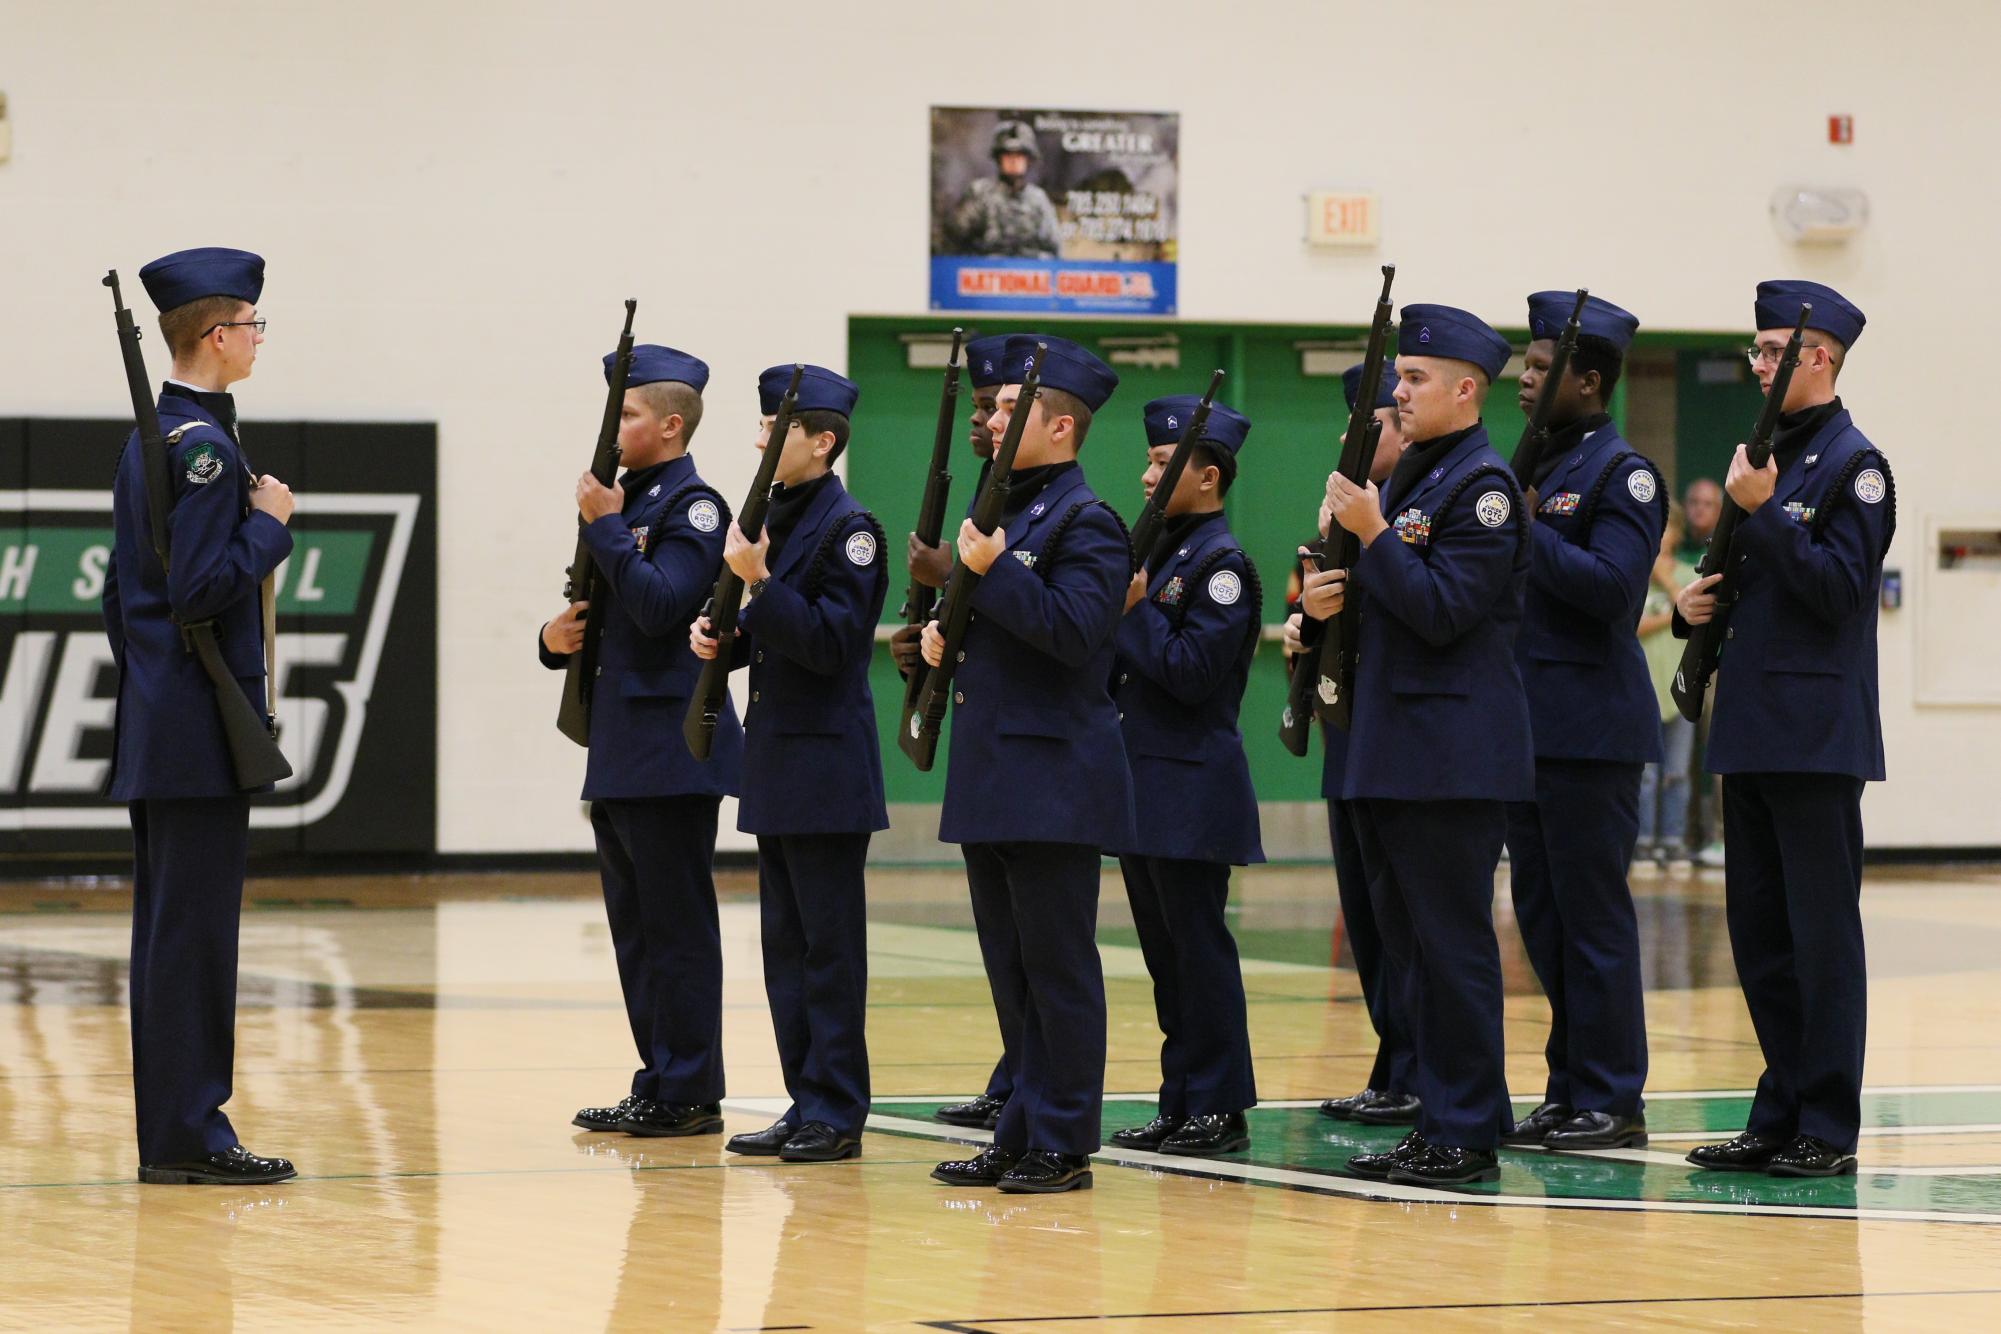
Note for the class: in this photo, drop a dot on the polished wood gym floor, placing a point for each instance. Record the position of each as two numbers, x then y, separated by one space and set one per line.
418 1046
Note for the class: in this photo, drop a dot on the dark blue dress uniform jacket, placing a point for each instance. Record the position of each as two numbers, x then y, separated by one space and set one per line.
1442 597
1590 694
657 566
1036 753
169 733
1184 657
1796 685
810 749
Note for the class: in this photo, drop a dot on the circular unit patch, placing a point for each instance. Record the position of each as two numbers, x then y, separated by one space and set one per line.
1869 486
1493 508
861 549
704 515
1641 483
1225 588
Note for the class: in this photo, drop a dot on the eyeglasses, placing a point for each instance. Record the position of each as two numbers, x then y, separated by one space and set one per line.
258 325
1772 352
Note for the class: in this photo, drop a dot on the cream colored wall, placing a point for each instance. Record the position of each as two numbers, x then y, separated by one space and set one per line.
454 197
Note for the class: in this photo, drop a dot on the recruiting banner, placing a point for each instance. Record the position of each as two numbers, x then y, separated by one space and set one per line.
1053 210
357 654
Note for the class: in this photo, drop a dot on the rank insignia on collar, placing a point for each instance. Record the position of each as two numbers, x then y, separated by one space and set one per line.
1437 473
1035 510
1171 592
1181 553
1563 502
1809 460
1025 557
1413 526
654 492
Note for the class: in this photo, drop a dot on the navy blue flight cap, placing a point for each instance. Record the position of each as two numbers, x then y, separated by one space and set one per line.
1550 311
1065 366
1833 313
985 359
189 275
1447 331
820 390
1386 388
652 363
1167 417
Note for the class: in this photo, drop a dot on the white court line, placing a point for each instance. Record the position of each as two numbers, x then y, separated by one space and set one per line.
1892 1132
1676 1160
1326 1184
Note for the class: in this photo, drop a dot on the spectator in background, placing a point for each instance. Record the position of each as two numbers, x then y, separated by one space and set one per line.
1664 787
1702 503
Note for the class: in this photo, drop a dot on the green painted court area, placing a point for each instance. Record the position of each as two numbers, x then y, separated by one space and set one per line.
1298 1140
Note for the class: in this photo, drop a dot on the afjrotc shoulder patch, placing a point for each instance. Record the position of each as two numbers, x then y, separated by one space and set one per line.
640 534
1563 502
1171 593
1413 526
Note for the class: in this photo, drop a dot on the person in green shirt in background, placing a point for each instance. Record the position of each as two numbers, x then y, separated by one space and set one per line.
1664 786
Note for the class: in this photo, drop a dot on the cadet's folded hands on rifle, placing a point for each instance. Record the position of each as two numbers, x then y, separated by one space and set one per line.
702 638
595 499
1322 592
1695 602
1356 508
977 550
933 644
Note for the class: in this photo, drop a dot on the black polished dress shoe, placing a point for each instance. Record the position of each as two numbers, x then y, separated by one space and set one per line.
1376 1166
659 1120
1598 1130
818 1142
1531 1130
1746 1153
1148 1136
1043 1173
1342 1109
606 1118
1389 1109
234 1166
982 1169
1207 1136
766 1142
1439 1165
982 1113
1811 1156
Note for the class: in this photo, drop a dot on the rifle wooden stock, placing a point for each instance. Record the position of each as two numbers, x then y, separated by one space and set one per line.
919 737
705 708
573 715
1535 436
1153 518
919 599
254 758
1704 645
1323 678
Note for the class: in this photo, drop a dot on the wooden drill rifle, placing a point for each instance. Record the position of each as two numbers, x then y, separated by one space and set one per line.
580 584
1705 642
1153 517
705 708
919 738
1535 436
1323 677
920 599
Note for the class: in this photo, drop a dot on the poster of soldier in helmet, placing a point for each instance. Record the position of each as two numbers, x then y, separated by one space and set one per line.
1053 210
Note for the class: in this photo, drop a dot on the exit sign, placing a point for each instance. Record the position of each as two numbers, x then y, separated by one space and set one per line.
1343 218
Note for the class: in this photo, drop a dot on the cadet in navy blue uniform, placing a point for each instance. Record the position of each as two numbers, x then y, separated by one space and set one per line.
1796 733
984 359
1184 657
1439 738
1037 783
815 580
1599 509
170 764
657 536
1387 1098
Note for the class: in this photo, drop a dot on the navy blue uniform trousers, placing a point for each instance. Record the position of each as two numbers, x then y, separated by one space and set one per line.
655 856
187 903
1391 1072
810 898
1198 985
1792 885
1036 907
1000 1084
1568 851
1430 866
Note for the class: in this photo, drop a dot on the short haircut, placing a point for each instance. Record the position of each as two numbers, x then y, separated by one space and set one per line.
1602 355
1061 403
669 398
184 326
1205 455
816 421
1837 352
